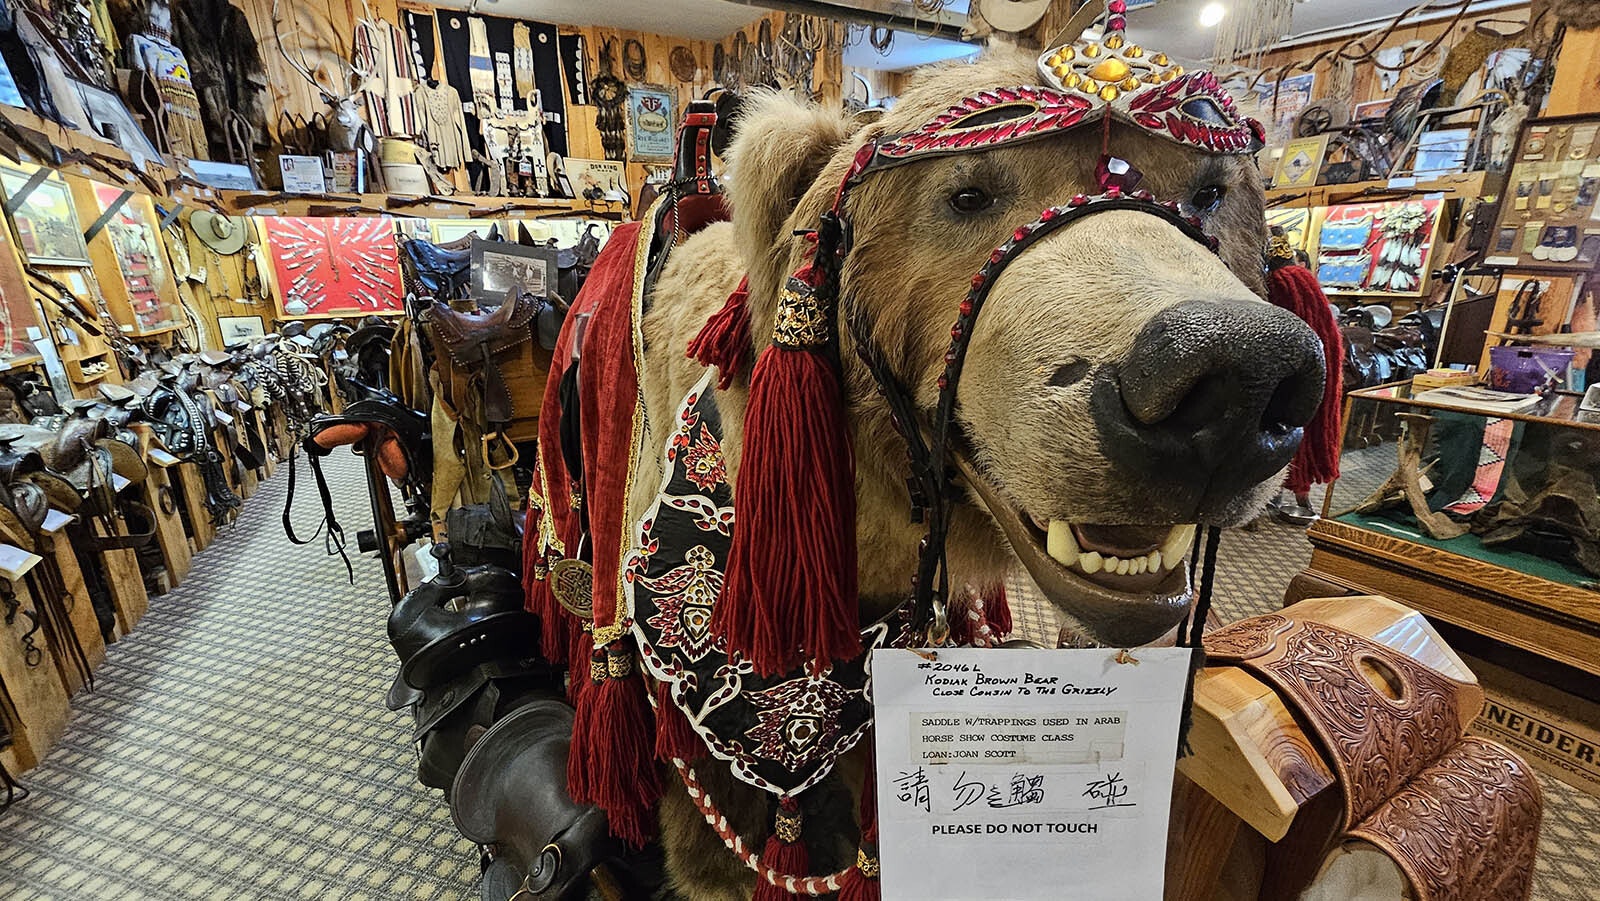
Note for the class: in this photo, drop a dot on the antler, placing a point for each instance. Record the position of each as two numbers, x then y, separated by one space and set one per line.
299 65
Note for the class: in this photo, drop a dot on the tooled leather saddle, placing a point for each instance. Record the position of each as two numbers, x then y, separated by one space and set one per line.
490 360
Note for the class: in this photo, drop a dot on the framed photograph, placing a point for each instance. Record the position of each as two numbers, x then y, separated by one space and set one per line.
650 124
234 329
499 268
147 287
109 117
598 179
46 223
1441 153
1301 162
444 231
223 176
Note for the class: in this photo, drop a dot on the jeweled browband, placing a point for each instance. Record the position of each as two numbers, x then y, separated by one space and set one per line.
1086 82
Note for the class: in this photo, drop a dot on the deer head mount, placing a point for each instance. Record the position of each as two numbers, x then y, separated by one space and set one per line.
346 126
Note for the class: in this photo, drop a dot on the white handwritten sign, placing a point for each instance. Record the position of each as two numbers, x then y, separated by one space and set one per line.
1011 774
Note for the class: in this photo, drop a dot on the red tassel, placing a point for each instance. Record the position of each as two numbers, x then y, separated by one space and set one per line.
785 852
1296 289
581 648
583 689
997 610
861 883
724 341
790 593
612 744
555 624
675 738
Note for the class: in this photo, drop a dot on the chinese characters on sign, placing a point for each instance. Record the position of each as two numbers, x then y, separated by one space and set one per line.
1054 766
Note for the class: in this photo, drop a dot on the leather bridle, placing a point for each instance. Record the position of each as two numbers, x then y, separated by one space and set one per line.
930 434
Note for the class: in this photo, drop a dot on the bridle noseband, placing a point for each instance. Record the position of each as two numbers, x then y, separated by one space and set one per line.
929 437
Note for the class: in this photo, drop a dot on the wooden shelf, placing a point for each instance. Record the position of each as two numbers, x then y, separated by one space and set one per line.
272 203
1473 185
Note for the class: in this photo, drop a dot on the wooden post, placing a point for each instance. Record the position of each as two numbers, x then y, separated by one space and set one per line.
194 502
38 695
1576 88
53 541
162 498
120 566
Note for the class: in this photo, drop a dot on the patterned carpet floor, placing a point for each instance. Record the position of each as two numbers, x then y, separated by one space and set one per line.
237 745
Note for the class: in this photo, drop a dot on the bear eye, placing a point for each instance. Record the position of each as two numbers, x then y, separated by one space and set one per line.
970 200
1208 198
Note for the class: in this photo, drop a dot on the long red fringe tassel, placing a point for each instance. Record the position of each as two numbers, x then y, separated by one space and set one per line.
610 764
555 624
861 884
724 341
675 738
785 852
1296 289
790 592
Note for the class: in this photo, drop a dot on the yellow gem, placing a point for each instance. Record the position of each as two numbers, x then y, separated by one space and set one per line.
1109 93
1062 72
1159 59
1177 70
1069 80
1112 69
1130 84
1152 78
1055 61
1134 51
1067 53
1168 75
1114 42
1092 51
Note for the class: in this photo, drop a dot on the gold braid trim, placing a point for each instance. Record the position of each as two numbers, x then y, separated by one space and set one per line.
788 826
1279 248
868 866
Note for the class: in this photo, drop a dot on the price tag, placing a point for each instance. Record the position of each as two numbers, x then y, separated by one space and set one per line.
162 458
224 418
1052 767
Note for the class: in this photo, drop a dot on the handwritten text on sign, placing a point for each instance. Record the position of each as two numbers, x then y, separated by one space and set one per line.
1053 768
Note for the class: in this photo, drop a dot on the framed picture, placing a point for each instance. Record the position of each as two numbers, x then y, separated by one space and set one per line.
1441 153
46 223
147 287
234 329
18 313
334 266
1550 218
1301 162
499 268
1372 109
110 118
223 176
444 231
1295 223
1376 249
651 123
1284 101
598 179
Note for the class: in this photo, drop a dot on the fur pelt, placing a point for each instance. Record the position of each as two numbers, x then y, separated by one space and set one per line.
1074 303
1578 15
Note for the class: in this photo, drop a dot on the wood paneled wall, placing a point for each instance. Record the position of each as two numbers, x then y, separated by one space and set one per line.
1367 85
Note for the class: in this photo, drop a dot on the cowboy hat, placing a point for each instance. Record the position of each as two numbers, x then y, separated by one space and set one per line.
223 234
1013 15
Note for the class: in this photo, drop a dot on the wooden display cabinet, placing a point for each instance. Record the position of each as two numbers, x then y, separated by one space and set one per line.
1540 602
129 257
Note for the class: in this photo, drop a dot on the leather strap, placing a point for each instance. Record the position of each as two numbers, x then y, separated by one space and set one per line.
334 540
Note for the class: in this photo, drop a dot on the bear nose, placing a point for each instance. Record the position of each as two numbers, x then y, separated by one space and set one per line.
1213 394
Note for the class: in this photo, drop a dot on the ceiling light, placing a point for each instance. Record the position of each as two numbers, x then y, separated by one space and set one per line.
1211 15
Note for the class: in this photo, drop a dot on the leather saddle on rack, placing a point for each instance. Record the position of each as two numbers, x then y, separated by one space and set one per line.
489 361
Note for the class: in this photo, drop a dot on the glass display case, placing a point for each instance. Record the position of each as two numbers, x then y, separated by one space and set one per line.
1478 508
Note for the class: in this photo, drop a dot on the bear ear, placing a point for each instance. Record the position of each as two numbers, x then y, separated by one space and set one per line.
780 145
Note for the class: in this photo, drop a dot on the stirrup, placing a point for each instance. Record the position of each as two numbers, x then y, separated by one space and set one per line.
487 458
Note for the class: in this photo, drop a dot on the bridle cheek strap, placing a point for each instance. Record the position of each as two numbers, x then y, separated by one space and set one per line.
928 438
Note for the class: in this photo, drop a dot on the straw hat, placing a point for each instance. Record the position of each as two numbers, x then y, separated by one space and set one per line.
223 234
